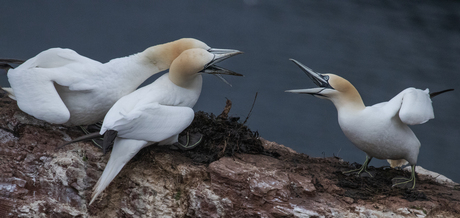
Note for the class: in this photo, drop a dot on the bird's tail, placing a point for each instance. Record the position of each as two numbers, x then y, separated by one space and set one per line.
397 163
123 150
10 92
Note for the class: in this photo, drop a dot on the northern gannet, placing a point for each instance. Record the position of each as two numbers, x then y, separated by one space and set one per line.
60 86
158 112
381 130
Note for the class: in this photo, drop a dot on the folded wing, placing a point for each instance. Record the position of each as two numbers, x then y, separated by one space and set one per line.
33 83
416 107
153 122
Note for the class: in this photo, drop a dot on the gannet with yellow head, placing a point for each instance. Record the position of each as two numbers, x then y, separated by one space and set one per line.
61 86
158 112
381 130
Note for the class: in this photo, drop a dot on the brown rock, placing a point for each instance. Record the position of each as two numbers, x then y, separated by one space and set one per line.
37 181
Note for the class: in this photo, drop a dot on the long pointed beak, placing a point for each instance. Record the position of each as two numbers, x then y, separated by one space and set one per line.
317 78
312 91
221 50
216 70
220 55
211 68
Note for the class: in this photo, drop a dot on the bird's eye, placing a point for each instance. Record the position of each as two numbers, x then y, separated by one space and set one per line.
326 77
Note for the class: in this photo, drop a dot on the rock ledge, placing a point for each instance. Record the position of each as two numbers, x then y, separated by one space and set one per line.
37 181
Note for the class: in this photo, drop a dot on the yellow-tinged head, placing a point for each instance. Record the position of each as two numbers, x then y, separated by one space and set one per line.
164 54
192 62
330 86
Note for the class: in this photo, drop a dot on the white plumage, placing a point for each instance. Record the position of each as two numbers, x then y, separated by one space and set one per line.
157 112
62 87
381 130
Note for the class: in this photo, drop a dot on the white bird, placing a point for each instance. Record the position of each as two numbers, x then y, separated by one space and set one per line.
157 112
60 86
380 130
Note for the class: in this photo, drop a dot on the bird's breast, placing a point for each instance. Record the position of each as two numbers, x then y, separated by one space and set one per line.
378 135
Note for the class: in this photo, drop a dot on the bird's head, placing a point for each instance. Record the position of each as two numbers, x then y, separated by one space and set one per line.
164 54
330 86
196 61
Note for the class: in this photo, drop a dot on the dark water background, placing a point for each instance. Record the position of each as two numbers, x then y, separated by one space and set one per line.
382 47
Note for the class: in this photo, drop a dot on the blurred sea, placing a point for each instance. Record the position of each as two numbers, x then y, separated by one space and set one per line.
382 47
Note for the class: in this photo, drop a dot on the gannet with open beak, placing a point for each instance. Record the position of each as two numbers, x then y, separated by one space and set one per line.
60 86
157 112
380 130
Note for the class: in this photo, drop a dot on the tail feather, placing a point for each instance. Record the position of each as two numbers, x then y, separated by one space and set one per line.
10 92
397 163
123 150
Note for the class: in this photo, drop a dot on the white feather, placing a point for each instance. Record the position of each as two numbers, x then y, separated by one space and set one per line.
124 150
416 107
155 113
60 86
63 87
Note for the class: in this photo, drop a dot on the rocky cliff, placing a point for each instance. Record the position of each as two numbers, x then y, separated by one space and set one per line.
233 173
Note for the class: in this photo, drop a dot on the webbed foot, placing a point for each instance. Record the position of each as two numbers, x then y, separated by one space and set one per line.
188 142
94 128
362 169
403 182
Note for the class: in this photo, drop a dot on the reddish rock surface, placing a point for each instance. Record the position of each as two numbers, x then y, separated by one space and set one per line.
38 181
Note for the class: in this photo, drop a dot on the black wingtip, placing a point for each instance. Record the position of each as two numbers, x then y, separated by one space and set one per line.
5 66
79 139
109 138
5 63
11 60
433 94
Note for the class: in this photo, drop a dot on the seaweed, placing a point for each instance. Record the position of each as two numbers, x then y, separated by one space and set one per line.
223 135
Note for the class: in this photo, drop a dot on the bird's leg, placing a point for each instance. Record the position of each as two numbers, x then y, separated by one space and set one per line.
405 180
95 143
188 142
362 168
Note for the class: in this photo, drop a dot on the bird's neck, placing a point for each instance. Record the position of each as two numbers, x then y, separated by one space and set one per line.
187 81
349 102
162 55
152 56
130 72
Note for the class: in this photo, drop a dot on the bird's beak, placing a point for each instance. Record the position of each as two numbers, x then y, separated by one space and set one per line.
222 51
220 55
320 80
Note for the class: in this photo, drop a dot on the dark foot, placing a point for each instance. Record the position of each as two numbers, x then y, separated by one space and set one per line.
189 141
367 174
402 182
91 129
360 173
94 127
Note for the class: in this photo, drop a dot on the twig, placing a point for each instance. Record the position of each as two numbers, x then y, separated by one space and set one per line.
252 107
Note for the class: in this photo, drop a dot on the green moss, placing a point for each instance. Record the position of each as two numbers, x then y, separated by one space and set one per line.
178 195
